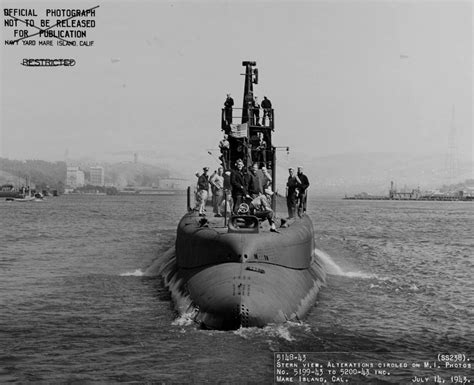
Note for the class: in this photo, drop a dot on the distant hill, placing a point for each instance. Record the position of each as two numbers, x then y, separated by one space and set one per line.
52 175
468 184
6 177
373 172
39 172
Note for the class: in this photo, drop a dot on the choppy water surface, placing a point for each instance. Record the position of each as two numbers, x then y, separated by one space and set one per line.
80 301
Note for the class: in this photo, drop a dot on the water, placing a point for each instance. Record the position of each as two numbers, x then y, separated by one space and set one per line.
80 300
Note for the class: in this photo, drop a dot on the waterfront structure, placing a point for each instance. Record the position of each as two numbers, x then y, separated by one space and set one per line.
404 195
97 176
417 194
173 184
74 177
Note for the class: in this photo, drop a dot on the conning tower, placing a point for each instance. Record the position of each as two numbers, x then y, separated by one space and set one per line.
246 123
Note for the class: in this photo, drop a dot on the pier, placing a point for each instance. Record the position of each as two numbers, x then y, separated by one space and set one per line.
414 195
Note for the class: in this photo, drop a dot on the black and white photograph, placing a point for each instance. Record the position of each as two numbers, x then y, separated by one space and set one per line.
236 192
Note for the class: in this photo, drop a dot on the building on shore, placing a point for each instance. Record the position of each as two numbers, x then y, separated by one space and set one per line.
173 183
404 195
97 176
74 178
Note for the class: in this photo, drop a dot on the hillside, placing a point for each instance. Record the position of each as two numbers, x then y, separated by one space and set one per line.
52 175
39 172
468 184
373 172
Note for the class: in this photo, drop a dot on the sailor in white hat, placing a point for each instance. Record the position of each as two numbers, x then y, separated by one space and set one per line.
202 191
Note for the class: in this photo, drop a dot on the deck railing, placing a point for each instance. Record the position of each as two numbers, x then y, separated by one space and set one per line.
266 117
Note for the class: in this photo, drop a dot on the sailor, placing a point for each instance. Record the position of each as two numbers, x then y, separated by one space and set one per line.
239 183
268 193
303 184
196 198
266 178
213 189
291 192
267 109
224 146
203 191
229 102
259 149
255 181
260 207
256 111
217 183
227 201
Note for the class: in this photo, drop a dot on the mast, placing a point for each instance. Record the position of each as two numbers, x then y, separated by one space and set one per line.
244 137
250 79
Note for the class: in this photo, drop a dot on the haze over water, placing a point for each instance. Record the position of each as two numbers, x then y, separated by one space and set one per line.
343 77
81 301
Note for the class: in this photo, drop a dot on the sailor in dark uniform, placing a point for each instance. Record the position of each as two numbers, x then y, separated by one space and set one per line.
239 183
259 149
267 109
291 192
303 189
255 181
228 104
203 191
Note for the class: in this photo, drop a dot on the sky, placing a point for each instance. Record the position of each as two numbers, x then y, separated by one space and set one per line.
343 77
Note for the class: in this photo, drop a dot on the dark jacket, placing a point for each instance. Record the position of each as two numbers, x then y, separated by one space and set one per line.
304 182
292 184
229 102
255 184
239 183
266 103
203 183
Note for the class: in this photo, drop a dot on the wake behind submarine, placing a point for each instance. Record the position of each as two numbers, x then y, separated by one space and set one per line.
235 270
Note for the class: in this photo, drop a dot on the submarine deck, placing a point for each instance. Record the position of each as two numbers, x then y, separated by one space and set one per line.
220 225
204 241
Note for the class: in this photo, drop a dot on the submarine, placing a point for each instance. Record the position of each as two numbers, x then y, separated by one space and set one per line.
235 271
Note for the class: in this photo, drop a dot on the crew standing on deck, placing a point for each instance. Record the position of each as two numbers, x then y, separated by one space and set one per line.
266 178
213 189
226 206
217 181
255 181
267 110
203 191
239 183
291 192
256 111
260 149
303 184
228 104
224 146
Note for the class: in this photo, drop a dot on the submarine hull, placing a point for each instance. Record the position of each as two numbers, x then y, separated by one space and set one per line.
228 280
234 295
